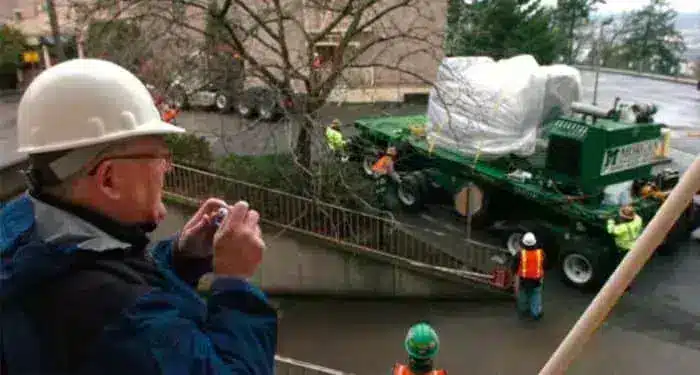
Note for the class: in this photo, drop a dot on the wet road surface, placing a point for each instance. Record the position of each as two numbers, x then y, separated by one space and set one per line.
653 330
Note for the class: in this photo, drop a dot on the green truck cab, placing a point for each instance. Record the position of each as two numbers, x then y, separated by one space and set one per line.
565 192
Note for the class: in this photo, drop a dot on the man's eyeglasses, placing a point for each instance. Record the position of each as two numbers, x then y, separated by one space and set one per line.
166 157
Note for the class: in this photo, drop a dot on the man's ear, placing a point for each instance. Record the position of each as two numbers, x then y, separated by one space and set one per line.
106 179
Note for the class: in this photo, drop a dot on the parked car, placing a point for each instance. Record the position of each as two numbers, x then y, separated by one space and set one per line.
213 81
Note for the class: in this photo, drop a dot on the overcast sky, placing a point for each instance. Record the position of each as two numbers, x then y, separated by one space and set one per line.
682 6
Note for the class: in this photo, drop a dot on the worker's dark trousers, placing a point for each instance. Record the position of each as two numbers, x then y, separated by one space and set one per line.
530 301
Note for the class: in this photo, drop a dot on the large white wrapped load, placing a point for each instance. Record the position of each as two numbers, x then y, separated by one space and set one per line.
479 106
563 88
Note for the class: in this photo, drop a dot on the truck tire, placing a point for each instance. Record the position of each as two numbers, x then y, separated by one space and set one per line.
367 162
583 268
245 107
268 110
411 191
222 102
512 237
386 193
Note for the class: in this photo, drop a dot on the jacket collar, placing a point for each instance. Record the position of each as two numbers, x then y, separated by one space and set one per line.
58 222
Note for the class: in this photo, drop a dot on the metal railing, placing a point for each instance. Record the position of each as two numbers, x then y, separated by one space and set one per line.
289 366
338 224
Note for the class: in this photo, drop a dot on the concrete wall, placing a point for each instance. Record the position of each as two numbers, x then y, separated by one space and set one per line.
298 264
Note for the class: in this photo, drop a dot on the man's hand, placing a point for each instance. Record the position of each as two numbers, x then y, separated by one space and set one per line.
197 236
238 243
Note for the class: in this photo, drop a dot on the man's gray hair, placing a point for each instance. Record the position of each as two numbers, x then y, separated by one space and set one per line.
55 172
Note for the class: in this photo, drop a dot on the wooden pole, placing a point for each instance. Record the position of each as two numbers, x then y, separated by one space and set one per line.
644 247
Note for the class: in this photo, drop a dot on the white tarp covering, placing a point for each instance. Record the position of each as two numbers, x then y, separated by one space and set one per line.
480 106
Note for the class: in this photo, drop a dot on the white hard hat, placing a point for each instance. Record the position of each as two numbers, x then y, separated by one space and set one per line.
85 102
529 239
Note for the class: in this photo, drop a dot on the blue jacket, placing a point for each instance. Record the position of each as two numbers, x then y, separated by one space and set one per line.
77 300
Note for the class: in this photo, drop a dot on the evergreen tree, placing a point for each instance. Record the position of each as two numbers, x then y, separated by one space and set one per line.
571 16
653 44
504 28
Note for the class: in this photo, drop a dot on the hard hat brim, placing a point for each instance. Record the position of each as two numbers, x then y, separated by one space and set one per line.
157 127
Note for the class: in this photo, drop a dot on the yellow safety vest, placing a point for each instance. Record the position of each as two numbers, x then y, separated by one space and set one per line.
626 233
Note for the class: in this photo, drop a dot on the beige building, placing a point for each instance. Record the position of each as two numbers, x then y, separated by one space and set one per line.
399 54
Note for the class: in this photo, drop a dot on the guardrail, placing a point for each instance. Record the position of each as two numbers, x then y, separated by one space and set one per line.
289 366
632 73
338 224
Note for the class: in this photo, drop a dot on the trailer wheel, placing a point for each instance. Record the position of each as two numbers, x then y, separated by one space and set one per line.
367 163
513 242
245 107
581 269
387 193
410 191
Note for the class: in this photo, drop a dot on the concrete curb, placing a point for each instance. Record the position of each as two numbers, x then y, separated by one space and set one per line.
631 73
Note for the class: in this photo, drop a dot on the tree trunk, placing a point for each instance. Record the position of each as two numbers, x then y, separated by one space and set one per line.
303 146
55 30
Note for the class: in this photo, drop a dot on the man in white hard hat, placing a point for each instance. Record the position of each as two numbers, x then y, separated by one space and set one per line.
80 292
528 266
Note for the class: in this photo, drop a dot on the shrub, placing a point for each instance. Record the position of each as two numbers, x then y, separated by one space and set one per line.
190 149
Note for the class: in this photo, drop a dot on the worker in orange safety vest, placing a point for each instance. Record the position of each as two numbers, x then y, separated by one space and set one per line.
422 345
528 266
385 165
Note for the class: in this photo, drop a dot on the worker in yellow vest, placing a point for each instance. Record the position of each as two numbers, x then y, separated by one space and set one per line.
528 266
626 229
335 140
422 345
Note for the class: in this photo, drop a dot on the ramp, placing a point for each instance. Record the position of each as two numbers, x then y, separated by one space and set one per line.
388 239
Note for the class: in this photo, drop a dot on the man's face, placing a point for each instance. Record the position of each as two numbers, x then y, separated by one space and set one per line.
131 179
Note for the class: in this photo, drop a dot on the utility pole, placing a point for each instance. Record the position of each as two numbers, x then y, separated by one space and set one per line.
55 30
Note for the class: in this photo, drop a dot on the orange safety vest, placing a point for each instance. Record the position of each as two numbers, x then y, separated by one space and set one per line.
401 369
382 165
170 114
531 264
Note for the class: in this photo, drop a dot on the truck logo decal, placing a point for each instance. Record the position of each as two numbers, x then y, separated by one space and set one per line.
622 158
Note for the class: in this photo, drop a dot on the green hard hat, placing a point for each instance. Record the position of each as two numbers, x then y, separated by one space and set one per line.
422 341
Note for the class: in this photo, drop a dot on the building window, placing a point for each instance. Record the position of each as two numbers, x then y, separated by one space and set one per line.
18 15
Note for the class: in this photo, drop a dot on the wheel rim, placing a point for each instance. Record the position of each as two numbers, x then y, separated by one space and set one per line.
406 196
265 113
243 109
513 242
221 102
578 269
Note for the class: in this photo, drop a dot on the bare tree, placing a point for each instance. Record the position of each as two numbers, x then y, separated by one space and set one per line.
310 47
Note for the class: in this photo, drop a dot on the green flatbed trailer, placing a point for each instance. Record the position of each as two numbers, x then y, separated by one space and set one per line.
559 198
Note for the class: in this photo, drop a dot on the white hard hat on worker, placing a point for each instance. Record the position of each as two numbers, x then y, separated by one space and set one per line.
529 239
95 117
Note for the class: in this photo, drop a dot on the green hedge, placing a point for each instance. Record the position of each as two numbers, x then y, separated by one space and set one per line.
191 149
332 182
